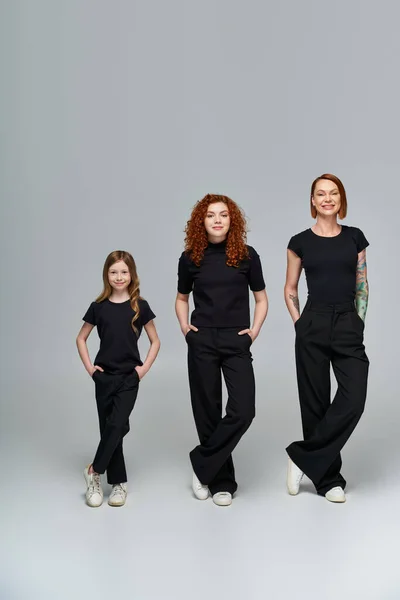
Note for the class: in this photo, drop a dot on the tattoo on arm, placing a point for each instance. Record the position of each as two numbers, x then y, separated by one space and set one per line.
362 285
295 300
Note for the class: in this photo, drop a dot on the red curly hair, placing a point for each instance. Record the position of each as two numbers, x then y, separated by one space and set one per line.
196 239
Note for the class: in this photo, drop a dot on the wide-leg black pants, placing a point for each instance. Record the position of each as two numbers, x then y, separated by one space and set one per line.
115 399
328 335
210 352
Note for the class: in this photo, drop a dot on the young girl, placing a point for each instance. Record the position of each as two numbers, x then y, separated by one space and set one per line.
119 314
219 268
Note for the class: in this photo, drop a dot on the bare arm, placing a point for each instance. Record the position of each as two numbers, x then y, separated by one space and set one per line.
154 340
293 272
83 350
182 312
362 289
260 314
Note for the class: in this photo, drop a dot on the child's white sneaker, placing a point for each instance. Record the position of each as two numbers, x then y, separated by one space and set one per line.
118 494
94 491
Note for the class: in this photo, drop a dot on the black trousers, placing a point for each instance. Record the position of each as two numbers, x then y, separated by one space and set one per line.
115 399
210 352
328 335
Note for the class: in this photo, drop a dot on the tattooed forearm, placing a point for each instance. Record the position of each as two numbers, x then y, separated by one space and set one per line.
362 298
362 286
295 300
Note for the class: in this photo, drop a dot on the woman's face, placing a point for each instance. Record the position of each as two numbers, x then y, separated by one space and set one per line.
119 276
326 198
217 222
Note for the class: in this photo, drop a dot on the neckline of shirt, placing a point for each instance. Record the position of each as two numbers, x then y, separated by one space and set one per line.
328 237
118 303
217 245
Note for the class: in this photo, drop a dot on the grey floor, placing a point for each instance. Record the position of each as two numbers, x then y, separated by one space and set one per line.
166 544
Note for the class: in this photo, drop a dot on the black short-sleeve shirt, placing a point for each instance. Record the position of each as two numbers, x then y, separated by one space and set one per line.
119 352
330 263
220 293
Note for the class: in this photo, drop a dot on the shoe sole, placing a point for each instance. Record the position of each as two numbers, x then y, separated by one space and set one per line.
116 505
93 505
222 504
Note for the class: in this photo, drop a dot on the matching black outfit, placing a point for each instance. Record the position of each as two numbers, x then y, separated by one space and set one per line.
329 332
221 299
117 386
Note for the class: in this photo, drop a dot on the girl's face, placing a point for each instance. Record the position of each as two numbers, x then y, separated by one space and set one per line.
118 276
326 198
217 221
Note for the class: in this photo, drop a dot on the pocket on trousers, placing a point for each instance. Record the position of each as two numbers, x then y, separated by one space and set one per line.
360 319
303 322
130 381
357 320
250 339
242 342
190 334
296 323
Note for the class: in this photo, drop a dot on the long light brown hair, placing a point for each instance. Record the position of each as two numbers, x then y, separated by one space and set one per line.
342 192
133 288
196 239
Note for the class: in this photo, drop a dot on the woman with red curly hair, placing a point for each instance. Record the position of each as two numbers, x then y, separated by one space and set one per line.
218 267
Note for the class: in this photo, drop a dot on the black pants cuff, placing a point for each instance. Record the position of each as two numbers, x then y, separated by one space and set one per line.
98 470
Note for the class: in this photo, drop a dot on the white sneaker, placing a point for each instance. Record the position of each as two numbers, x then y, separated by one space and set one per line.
94 492
293 479
222 499
336 494
118 494
199 490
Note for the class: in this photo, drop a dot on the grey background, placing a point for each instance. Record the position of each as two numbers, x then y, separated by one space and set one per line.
115 118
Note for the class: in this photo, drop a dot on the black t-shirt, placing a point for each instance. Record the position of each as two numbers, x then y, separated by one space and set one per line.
330 263
220 293
119 352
